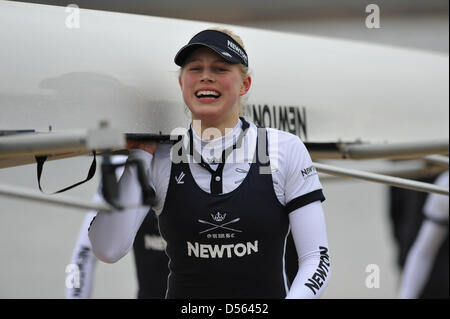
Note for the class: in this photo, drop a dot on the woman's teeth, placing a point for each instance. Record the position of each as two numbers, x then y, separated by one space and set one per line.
201 94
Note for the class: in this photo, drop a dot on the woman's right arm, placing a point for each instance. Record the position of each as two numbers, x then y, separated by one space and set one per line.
112 234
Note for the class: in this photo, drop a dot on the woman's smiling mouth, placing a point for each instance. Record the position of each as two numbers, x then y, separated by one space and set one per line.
207 95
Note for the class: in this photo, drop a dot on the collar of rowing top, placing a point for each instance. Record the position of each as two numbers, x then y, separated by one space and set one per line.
216 175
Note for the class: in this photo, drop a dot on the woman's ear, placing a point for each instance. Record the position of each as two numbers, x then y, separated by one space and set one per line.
246 85
180 82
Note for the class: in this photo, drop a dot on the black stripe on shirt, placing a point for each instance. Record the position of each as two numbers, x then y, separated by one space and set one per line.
305 200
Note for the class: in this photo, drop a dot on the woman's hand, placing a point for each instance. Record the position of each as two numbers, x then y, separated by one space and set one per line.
148 146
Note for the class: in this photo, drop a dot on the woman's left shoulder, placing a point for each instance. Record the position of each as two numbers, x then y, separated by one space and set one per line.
284 140
282 134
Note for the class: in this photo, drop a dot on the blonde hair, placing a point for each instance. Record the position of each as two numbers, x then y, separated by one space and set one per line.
242 68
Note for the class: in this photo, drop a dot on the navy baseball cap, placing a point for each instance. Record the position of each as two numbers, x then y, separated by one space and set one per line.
219 42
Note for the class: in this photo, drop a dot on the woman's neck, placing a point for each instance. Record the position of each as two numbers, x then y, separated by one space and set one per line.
210 130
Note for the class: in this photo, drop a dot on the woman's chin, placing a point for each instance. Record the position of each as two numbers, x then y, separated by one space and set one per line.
212 113
206 112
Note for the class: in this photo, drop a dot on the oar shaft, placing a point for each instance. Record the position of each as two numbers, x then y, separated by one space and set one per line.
57 199
383 179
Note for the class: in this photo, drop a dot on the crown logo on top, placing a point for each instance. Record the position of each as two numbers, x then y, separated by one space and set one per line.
218 217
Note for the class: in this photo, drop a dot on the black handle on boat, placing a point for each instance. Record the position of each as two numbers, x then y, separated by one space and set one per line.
110 186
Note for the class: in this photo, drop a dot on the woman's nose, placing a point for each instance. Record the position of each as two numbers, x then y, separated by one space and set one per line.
207 75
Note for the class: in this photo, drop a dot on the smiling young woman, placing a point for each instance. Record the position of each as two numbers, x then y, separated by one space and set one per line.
207 79
227 208
212 89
